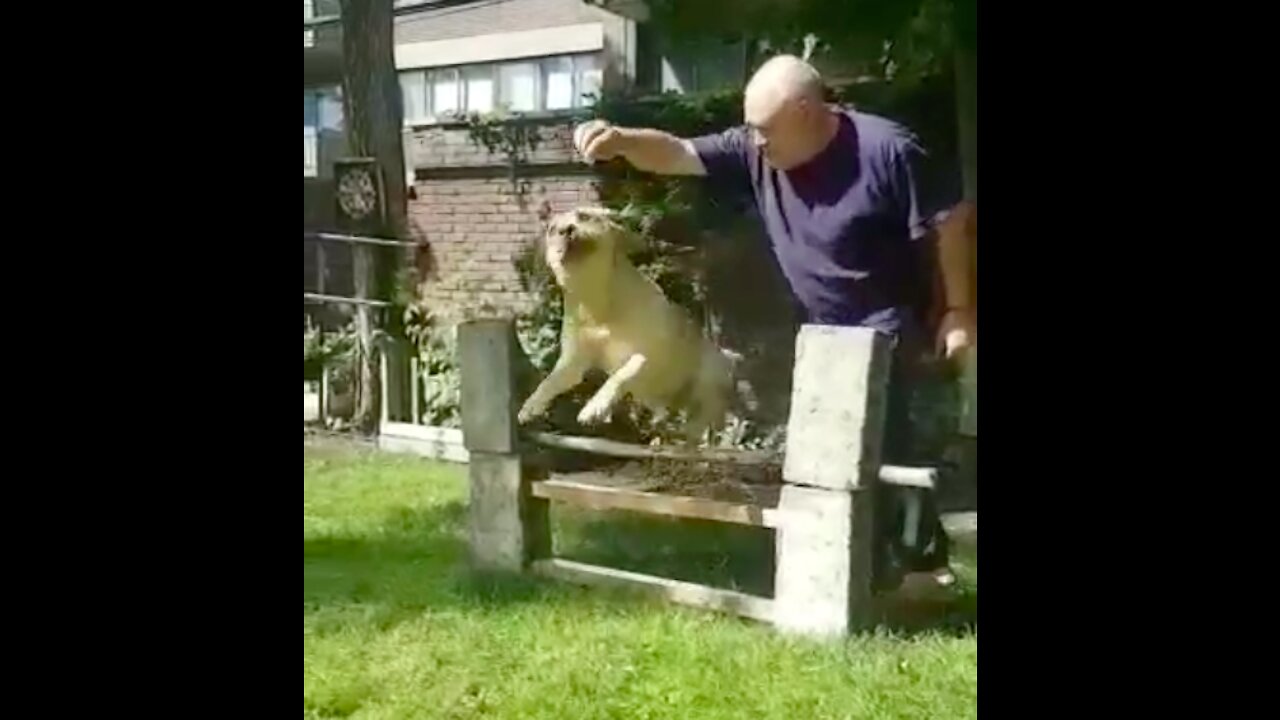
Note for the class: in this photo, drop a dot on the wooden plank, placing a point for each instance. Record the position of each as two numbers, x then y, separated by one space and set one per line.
429 450
920 477
414 403
961 524
613 448
431 442
316 297
598 497
384 372
677 591
359 240
324 396
426 433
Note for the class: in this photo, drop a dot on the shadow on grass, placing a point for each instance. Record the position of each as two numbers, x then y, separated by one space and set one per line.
416 560
733 557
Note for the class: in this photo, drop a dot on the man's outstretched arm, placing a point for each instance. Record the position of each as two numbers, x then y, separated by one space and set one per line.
957 237
652 151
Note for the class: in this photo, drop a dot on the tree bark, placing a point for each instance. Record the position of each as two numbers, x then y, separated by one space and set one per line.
371 96
966 67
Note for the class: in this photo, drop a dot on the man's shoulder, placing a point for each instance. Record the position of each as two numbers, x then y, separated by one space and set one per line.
735 139
879 131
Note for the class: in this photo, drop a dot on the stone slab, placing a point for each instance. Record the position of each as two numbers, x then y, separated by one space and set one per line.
836 426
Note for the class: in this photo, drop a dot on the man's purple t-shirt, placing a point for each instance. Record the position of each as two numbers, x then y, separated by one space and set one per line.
844 225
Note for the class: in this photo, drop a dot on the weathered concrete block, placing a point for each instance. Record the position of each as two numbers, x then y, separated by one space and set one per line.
838 396
509 527
487 361
822 584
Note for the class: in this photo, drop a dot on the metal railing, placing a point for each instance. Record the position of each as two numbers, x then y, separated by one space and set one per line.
322 237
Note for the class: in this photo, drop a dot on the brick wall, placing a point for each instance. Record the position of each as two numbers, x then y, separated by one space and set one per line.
436 148
475 221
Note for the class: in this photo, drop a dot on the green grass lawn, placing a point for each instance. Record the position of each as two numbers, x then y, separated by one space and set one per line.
394 626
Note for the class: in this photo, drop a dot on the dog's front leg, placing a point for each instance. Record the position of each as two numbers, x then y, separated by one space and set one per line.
601 404
568 372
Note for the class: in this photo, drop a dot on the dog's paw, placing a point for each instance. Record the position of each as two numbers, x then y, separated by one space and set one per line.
595 411
529 411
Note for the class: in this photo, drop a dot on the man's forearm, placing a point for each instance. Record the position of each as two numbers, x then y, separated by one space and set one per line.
659 152
956 240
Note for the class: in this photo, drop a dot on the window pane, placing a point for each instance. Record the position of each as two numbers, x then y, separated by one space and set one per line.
558 81
310 109
517 86
308 12
413 90
590 79
479 82
444 92
331 109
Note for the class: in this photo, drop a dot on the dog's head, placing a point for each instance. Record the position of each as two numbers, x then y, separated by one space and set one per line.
586 242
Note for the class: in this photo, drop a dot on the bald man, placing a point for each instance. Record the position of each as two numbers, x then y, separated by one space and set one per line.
840 195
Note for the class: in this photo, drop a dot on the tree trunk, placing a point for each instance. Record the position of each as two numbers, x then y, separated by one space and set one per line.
966 62
965 42
374 120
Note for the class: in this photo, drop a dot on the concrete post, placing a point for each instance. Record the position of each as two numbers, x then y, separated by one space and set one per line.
508 527
824 543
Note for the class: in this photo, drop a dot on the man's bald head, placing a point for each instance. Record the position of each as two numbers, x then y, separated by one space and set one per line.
783 78
783 104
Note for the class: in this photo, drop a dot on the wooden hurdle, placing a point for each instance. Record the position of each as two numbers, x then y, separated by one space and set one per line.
822 513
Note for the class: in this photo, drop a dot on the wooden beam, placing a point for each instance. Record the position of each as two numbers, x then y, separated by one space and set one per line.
685 593
599 497
432 442
358 240
921 477
613 448
316 297
961 524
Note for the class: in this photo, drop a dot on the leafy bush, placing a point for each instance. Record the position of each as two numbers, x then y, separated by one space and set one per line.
337 350
436 348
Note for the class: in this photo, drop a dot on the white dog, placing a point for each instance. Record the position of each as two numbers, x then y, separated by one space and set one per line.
619 321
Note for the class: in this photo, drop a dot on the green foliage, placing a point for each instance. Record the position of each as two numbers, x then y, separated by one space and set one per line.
506 133
906 38
435 346
395 624
338 350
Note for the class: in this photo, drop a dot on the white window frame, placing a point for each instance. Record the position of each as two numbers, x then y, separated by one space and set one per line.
308 13
311 140
580 65
310 152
